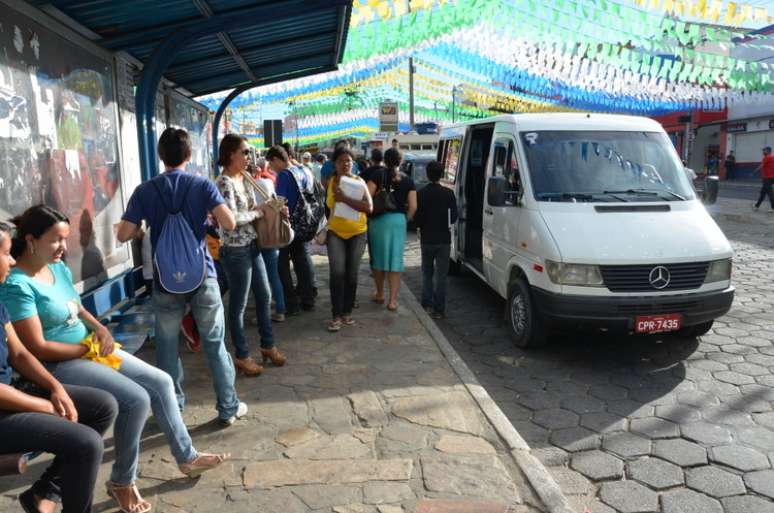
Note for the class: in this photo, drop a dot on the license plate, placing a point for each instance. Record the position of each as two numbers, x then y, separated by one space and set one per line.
657 323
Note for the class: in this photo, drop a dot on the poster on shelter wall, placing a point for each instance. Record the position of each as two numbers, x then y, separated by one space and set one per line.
59 140
197 121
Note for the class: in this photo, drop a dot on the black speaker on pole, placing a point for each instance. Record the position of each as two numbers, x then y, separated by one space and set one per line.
272 132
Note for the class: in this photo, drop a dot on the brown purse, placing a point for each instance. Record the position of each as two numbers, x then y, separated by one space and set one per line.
272 229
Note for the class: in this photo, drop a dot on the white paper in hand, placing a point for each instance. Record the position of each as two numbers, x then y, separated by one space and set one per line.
354 189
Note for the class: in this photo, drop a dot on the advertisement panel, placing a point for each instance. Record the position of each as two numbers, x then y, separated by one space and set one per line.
59 139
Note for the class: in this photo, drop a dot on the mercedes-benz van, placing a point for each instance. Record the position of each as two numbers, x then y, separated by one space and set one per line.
584 220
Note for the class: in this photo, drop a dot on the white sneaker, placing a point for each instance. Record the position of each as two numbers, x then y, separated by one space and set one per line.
241 412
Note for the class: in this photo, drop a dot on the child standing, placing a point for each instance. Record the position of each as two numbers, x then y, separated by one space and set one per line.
436 212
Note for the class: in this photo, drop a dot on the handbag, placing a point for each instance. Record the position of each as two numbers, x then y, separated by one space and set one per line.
384 201
272 229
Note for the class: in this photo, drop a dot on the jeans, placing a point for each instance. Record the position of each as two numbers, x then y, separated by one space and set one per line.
245 270
298 252
344 262
137 387
435 266
77 447
766 191
207 309
270 258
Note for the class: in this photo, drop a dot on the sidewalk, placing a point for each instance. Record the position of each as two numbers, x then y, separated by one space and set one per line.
382 417
741 211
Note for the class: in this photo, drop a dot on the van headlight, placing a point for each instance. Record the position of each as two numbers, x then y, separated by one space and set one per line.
582 275
719 270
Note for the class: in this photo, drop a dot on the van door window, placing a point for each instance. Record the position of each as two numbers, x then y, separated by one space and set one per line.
451 159
506 164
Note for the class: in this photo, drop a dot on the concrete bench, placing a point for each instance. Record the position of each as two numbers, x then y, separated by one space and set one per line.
13 464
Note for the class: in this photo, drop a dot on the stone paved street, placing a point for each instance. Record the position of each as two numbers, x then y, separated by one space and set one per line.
370 420
640 424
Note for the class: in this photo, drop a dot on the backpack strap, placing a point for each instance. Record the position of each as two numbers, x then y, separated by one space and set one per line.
163 203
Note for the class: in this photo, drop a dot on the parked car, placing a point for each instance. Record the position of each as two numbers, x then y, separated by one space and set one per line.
585 220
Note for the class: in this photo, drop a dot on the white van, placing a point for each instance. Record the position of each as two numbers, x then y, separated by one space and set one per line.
584 220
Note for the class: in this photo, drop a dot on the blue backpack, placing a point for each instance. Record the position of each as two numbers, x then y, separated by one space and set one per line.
180 258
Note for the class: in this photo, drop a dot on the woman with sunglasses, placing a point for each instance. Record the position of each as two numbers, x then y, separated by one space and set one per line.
242 261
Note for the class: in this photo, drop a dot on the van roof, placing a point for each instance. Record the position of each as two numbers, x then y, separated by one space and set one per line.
564 121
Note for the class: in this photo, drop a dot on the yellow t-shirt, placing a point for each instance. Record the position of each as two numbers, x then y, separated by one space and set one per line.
344 228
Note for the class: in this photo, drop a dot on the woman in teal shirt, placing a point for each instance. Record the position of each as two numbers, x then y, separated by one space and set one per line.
67 421
47 314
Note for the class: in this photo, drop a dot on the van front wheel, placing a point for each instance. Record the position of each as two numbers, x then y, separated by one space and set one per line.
525 326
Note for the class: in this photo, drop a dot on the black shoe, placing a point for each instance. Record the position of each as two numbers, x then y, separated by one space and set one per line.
308 308
438 315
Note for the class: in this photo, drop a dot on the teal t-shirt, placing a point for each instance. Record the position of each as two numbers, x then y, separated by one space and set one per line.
56 305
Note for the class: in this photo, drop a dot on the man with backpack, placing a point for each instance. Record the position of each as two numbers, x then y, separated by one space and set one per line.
306 212
175 205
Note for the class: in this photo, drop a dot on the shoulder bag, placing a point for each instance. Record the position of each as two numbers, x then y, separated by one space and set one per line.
272 229
384 199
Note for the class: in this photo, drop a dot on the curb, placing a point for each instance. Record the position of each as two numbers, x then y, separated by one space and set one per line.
537 474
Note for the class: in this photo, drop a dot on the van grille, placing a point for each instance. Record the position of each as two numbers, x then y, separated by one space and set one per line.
636 278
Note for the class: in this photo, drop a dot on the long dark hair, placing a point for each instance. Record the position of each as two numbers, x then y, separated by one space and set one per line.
34 221
228 145
392 159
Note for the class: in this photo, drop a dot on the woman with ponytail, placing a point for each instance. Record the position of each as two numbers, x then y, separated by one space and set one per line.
387 231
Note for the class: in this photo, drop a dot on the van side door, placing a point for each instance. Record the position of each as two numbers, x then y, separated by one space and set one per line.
449 155
502 209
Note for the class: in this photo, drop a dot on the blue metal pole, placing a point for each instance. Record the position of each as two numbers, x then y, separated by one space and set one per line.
219 115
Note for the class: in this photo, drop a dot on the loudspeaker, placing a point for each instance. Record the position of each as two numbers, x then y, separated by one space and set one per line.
272 132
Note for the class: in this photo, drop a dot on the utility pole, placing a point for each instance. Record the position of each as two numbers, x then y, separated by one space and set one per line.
454 94
411 93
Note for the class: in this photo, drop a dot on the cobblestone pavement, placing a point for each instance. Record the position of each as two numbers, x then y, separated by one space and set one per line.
639 424
370 420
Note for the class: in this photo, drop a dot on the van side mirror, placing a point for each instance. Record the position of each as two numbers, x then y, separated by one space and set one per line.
496 191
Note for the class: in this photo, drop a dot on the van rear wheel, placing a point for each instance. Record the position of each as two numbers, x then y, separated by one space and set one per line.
526 328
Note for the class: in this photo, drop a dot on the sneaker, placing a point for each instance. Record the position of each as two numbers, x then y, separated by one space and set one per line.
278 317
438 315
241 412
755 207
191 334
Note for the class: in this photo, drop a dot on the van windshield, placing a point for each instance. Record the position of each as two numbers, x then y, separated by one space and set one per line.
604 166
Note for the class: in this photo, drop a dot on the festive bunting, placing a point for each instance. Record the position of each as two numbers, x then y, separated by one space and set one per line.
481 57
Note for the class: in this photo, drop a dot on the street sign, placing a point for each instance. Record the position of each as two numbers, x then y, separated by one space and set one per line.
388 117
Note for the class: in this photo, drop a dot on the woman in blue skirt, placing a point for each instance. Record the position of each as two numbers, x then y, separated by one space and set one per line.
387 231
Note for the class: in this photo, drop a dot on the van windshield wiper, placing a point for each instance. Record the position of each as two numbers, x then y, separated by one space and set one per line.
565 196
647 192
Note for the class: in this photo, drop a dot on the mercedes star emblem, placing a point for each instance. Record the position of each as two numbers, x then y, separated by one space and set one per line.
659 277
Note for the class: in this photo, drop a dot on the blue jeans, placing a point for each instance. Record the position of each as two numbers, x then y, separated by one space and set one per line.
137 387
207 309
245 270
270 259
435 267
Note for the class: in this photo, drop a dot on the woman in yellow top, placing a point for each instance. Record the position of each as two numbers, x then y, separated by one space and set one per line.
346 239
